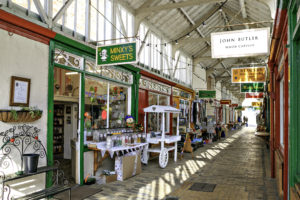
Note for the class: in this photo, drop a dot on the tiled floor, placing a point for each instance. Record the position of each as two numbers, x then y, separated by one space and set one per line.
237 165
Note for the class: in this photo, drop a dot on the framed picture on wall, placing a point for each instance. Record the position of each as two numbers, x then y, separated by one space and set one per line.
19 91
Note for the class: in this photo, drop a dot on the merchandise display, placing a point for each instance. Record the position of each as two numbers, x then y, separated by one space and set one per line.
58 131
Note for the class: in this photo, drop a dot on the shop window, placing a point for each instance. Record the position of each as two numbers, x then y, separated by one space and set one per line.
66 83
95 104
106 104
118 101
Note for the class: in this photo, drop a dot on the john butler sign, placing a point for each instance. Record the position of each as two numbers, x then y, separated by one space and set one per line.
252 87
116 54
242 43
207 94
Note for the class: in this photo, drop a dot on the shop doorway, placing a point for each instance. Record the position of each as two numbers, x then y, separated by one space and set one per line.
65 121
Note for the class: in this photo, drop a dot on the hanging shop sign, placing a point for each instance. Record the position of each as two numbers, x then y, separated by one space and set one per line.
240 108
234 105
256 104
252 87
225 102
180 93
248 75
241 43
116 54
207 94
255 95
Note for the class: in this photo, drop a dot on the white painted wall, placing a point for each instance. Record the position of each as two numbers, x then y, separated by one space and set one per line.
20 56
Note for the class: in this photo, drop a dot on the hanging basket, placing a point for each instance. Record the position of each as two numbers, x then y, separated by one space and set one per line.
19 116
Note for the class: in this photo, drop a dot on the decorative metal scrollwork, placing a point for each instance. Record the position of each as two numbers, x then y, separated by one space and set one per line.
110 72
68 59
15 142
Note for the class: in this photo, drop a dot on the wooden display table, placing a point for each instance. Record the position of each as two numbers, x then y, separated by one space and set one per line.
114 151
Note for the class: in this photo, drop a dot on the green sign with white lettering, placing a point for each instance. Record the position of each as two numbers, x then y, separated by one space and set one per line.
252 87
207 94
116 54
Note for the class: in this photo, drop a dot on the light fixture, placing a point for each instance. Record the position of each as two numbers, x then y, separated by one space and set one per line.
71 73
176 42
188 35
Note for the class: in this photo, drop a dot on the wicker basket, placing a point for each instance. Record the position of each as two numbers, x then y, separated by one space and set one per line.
22 116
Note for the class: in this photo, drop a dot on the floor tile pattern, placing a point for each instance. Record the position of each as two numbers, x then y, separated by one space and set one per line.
238 166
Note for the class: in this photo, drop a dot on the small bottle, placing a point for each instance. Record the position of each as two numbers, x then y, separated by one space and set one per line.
135 139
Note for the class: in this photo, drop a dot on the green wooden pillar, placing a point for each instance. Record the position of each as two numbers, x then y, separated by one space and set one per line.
294 61
81 135
50 113
135 96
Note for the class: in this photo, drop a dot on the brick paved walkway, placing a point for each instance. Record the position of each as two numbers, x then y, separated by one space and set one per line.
234 168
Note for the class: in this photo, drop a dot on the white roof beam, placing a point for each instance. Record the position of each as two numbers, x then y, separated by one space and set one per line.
243 9
42 12
143 43
176 65
168 6
118 12
62 11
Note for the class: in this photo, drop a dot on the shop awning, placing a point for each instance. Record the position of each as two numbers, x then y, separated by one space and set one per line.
161 109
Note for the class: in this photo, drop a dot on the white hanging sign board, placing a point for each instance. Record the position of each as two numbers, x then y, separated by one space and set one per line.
241 43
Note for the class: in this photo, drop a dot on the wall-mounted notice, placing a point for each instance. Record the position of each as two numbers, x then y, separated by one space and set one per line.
248 75
241 43
19 91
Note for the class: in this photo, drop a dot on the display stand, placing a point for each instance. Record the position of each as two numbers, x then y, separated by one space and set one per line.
162 150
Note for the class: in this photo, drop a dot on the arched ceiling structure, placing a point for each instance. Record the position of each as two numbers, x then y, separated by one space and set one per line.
189 23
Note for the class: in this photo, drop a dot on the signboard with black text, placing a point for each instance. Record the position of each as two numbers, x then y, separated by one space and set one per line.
241 43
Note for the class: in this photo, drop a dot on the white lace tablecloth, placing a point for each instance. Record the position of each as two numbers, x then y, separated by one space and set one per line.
120 149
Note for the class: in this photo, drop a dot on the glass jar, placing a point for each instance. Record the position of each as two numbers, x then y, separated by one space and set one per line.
129 138
123 140
109 142
143 138
139 138
135 138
